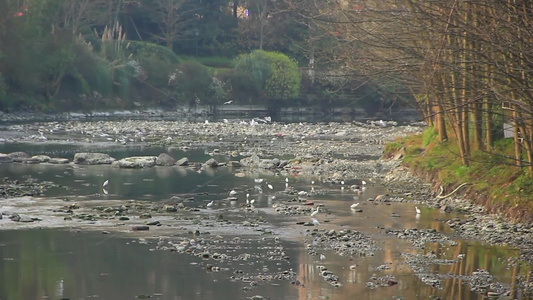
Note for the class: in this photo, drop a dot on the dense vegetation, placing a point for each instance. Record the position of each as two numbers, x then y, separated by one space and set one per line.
466 64
87 54
500 187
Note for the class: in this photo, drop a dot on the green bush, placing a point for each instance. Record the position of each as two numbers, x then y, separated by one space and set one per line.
156 62
274 74
191 83
215 61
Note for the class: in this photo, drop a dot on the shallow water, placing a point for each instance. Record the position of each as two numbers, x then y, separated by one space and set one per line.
62 263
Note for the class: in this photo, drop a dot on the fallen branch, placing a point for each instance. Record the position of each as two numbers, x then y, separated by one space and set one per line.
450 194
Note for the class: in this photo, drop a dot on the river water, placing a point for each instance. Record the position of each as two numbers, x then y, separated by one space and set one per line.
69 263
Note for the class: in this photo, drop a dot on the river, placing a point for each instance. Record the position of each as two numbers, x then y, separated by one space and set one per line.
277 258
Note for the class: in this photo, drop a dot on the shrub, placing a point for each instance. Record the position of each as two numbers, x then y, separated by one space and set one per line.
191 82
273 74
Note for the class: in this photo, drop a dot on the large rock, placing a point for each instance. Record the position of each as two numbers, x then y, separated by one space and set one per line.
234 164
184 161
93 159
41 158
18 156
58 160
5 159
136 162
165 160
211 163
251 161
30 161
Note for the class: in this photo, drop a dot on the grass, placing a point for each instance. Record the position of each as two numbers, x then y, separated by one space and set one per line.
210 61
491 175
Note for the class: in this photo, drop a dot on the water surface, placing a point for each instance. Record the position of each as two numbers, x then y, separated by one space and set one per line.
67 263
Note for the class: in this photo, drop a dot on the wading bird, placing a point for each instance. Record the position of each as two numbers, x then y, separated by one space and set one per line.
314 213
106 183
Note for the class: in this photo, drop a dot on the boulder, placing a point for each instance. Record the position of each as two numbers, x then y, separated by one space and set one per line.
19 154
165 160
234 164
58 160
5 159
251 161
183 162
93 159
30 161
41 158
136 162
211 163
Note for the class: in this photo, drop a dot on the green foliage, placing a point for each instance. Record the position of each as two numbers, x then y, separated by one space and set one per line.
429 136
285 79
191 82
140 50
524 184
215 61
155 62
392 147
242 85
256 66
462 171
273 74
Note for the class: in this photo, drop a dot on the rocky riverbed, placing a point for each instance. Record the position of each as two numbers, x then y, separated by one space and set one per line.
338 153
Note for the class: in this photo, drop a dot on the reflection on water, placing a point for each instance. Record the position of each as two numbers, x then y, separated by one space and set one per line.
45 264
38 264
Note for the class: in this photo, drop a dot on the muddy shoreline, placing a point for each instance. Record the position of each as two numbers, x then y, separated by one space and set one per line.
337 152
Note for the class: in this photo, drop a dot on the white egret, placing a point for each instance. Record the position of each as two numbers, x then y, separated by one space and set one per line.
353 206
270 186
210 204
314 213
302 193
322 257
228 102
106 183
417 210
233 193
363 182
